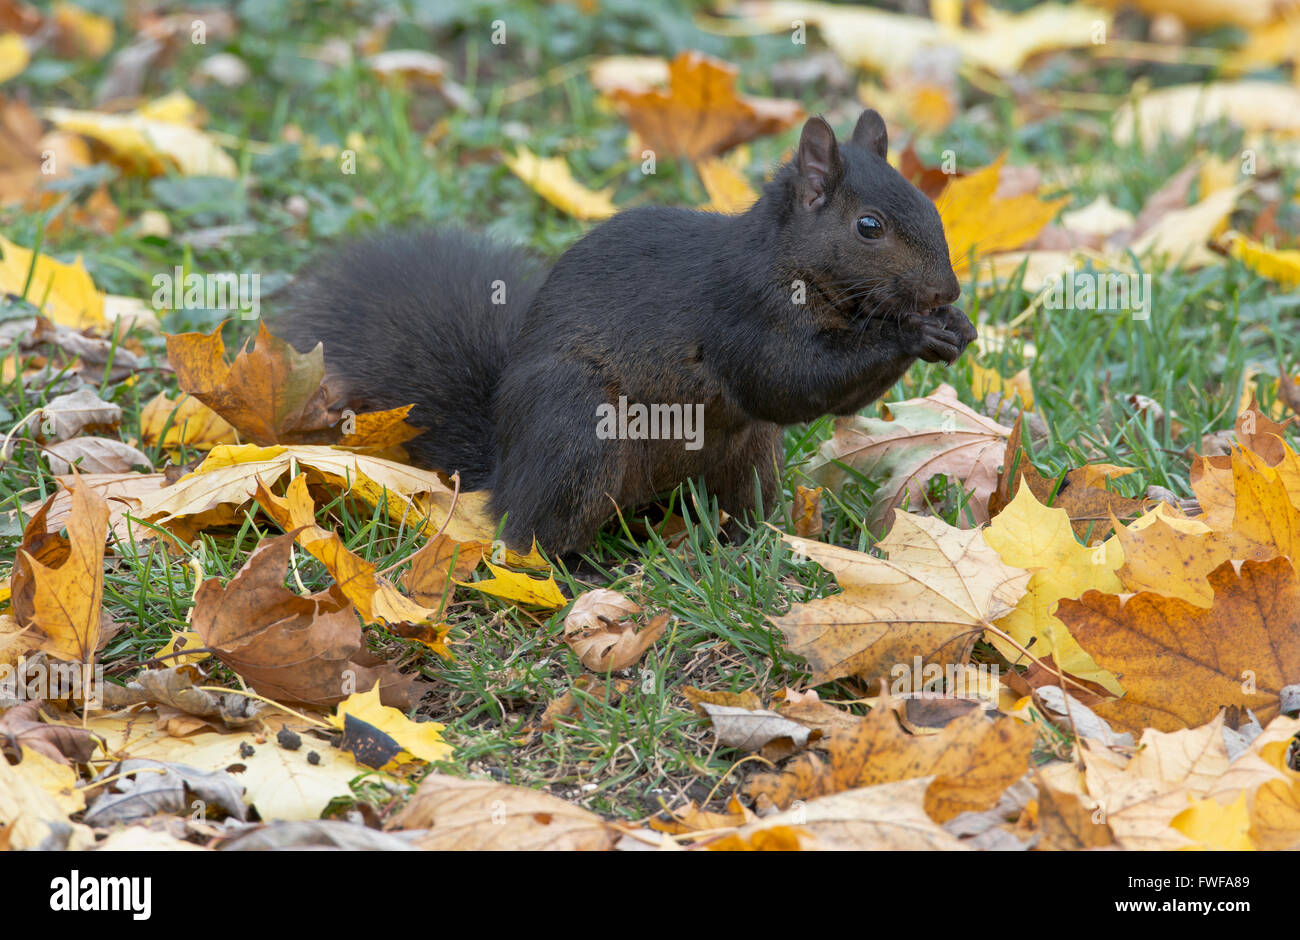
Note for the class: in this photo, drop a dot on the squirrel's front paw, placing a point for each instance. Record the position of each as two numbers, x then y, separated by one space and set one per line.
939 336
955 321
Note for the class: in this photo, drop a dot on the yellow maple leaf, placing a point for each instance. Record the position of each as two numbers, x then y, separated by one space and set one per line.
978 223
1212 825
1282 266
729 191
512 586
419 740
1029 535
158 136
375 598
983 381
62 292
188 422
551 178
60 592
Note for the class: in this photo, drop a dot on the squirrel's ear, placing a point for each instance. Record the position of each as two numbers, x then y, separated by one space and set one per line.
818 162
870 133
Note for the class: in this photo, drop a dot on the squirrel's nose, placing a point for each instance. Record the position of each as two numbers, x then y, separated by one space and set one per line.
945 292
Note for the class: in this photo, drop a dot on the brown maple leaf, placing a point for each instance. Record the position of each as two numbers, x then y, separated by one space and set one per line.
288 647
1180 663
58 583
973 760
273 394
701 114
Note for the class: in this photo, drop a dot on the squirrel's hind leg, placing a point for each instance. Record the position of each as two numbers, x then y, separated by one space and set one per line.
557 479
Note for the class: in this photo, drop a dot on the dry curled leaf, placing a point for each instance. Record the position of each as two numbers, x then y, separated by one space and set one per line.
871 818
68 415
94 455
288 647
601 631
22 727
753 729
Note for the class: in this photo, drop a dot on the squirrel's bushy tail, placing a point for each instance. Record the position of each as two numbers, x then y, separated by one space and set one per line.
423 317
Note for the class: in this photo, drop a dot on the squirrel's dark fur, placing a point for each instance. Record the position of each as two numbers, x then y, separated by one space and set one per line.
775 316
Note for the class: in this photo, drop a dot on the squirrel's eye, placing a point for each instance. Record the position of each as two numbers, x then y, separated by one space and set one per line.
870 227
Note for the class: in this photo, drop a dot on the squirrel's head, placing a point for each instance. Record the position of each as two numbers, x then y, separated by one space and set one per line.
869 238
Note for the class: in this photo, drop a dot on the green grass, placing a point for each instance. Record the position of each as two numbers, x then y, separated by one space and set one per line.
627 756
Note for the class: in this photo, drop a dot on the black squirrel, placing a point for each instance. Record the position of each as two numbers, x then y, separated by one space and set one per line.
814 301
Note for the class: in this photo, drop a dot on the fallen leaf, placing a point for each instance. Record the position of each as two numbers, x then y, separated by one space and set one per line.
14 56
915 441
185 422
1069 823
1177 662
1082 493
63 292
482 814
280 783
1175 560
229 477
551 178
972 760
888 816
978 223
601 630
151 140
729 191
1211 825
1281 266
939 589
1177 110
66 416
374 597
701 115
807 512
288 648
420 740
271 393
1029 535
23 728
513 586
1181 236
124 493
94 455
435 568
31 815
58 584
753 729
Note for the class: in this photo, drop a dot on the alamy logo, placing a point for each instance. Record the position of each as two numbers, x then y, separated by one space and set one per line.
1097 290
102 893
28 681
224 290
919 679
656 422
